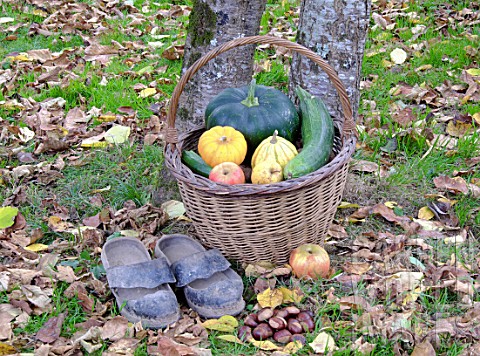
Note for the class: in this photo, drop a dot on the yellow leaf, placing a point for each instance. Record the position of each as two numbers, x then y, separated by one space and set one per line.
230 338
41 13
476 117
6 349
291 296
230 320
37 247
347 205
94 144
474 71
226 323
117 134
425 213
7 216
145 93
270 298
265 345
391 204
458 129
292 347
106 118
22 57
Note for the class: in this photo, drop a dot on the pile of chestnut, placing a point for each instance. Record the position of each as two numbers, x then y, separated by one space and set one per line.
283 325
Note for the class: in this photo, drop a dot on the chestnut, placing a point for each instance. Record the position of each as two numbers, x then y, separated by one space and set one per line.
251 320
282 313
264 314
306 321
300 338
294 326
282 336
244 333
277 323
262 332
292 310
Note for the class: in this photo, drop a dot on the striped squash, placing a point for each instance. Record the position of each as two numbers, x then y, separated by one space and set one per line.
274 148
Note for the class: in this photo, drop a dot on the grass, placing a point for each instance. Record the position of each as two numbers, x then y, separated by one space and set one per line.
135 172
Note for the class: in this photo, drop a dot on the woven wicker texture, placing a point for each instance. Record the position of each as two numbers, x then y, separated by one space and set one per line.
250 222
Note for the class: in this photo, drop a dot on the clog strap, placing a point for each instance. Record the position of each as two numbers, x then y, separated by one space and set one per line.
148 274
200 265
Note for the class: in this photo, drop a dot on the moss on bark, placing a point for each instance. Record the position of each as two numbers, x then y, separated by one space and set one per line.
202 24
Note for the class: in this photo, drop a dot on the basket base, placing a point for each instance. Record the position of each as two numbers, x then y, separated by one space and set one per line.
265 227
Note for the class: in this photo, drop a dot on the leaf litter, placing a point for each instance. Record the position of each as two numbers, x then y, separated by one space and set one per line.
393 264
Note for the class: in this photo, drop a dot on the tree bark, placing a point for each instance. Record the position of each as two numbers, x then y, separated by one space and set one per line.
335 30
211 23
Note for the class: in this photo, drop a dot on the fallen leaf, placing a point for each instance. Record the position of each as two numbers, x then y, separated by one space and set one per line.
226 323
50 331
424 349
6 20
347 205
145 93
115 329
425 213
474 72
173 208
6 349
36 247
291 295
117 134
322 343
292 347
356 267
364 166
458 129
265 345
270 298
7 216
230 338
457 185
398 56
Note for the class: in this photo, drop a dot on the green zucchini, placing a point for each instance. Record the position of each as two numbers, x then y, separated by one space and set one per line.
317 134
196 163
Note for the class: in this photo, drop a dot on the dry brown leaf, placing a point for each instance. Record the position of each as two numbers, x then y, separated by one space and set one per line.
50 331
456 185
424 349
115 329
356 267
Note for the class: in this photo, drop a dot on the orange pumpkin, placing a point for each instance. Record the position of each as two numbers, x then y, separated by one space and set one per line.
222 144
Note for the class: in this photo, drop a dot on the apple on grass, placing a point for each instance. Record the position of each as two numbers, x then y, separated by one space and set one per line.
310 261
227 173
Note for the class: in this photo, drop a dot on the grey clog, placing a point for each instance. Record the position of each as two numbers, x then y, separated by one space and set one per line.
210 286
140 284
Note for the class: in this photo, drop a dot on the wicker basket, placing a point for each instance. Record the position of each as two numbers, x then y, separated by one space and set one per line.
249 222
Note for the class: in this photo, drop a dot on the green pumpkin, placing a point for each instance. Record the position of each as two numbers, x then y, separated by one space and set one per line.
256 111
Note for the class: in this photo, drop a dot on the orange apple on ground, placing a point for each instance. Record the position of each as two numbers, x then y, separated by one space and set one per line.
310 261
267 172
227 173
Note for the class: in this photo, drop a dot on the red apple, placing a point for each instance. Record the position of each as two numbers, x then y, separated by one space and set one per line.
227 173
310 261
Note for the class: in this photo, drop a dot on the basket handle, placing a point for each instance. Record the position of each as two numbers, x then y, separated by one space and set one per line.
349 128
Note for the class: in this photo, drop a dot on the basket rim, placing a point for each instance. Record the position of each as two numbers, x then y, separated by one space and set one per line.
172 156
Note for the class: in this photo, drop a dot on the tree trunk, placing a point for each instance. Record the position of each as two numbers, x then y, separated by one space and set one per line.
211 23
336 30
